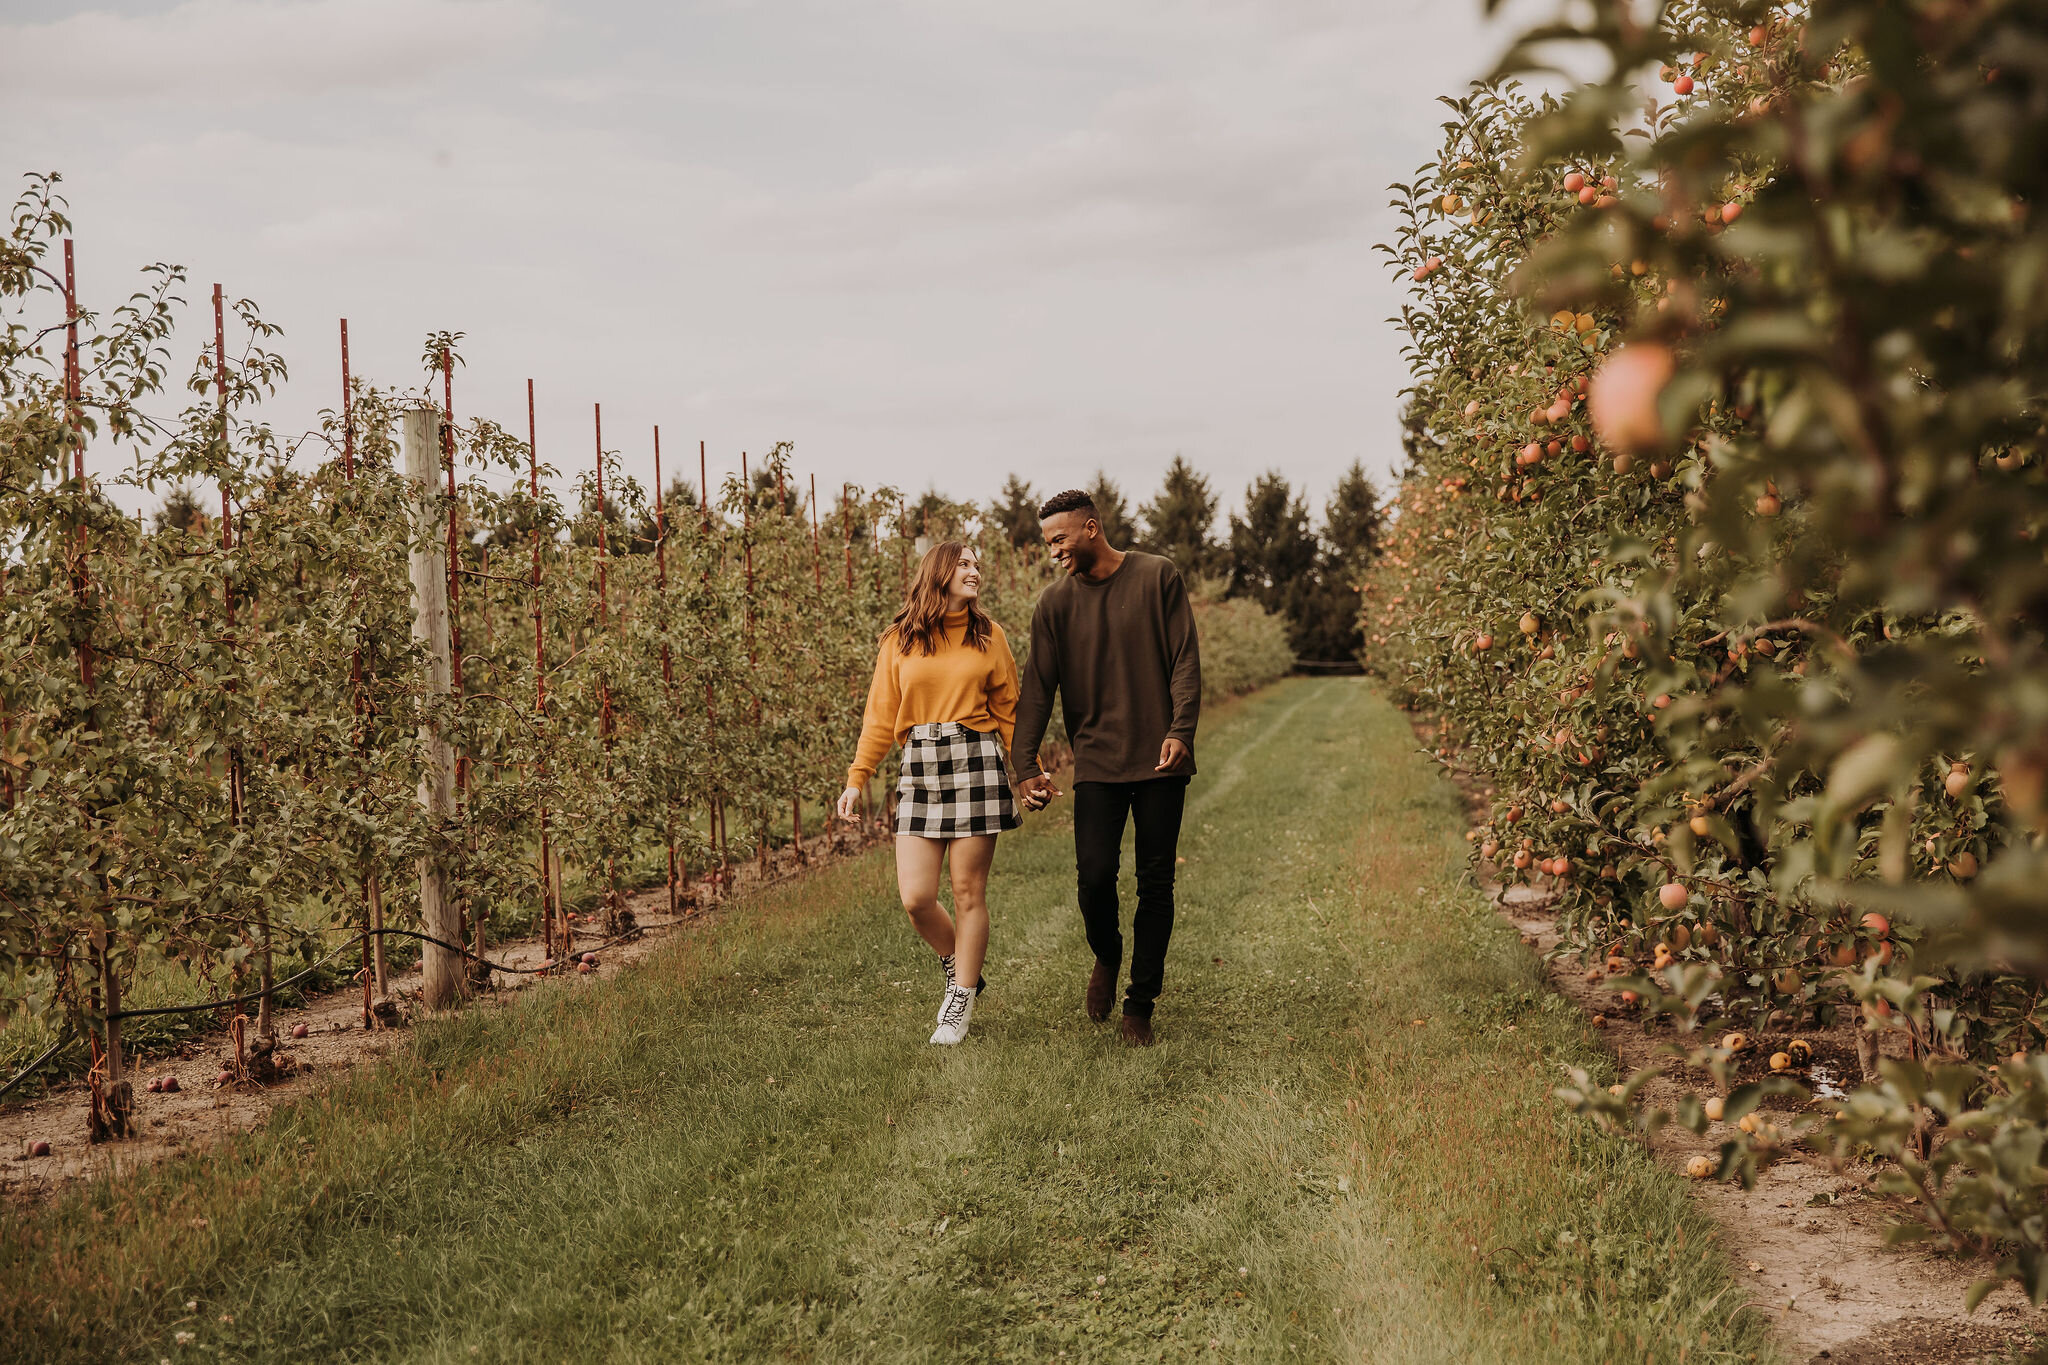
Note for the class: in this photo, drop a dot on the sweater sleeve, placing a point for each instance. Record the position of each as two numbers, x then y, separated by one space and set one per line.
1184 655
878 722
1002 692
1034 702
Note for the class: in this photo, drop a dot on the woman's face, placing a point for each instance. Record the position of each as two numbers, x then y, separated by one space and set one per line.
966 579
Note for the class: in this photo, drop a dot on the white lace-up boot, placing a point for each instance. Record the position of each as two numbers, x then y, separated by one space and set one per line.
954 1013
947 962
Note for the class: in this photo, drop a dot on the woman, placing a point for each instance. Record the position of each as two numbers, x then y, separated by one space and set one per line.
945 688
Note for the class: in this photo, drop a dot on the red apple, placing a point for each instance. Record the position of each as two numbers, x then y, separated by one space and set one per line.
1624 395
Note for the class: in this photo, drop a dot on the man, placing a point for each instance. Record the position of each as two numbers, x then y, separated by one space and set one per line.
1116 639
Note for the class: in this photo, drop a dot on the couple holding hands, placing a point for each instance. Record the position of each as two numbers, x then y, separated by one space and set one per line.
1116 639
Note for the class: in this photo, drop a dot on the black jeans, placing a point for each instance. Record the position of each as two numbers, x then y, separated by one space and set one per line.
1100 810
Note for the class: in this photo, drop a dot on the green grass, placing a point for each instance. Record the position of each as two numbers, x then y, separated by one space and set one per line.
746 1150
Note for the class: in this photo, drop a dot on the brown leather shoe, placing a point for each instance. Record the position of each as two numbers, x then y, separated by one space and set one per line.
1135 1031
1101 991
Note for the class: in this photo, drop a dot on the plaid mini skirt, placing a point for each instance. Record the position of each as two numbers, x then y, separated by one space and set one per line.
955 783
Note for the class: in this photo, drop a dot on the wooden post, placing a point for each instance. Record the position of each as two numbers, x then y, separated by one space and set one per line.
442 968
374 887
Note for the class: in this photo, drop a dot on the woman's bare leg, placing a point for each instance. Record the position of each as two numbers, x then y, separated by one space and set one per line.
970 860
917 881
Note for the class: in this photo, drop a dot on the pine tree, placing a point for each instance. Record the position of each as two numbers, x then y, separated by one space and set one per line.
1179 522
936 517
1329 629
181 511
1272 553
1014 513
1111 513
1352 522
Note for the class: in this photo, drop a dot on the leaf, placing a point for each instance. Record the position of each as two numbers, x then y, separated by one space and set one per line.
1866 768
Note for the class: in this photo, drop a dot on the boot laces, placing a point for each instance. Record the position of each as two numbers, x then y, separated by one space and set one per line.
957 1001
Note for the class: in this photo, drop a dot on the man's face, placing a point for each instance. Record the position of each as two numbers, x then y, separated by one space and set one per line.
1064 532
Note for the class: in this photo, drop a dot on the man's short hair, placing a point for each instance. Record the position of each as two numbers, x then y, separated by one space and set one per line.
1073 500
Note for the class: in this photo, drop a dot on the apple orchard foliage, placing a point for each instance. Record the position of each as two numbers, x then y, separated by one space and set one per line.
1756 649
209 744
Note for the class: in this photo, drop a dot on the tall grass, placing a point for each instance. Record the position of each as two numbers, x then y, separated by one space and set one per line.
744 1149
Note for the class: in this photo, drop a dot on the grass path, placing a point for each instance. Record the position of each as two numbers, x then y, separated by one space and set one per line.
745 1150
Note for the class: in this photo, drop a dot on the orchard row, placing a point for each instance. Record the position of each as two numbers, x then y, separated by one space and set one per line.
1720 550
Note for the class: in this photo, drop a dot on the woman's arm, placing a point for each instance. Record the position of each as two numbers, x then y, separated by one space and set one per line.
1002 692
878 722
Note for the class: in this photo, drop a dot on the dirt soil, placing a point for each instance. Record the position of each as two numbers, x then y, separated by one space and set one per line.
202 1111
1809 1237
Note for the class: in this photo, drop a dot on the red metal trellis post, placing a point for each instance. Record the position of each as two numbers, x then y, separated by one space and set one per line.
668 674
603 606
81 573
716 815
604 693
348 425
817 563
119 1094
373 897
455 686
548 907
747 545
265 1028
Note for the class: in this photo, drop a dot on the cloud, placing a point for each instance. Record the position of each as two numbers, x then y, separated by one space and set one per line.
330 230
1159 176
226 51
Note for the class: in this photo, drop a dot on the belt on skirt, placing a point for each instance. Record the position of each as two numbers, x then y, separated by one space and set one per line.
944 729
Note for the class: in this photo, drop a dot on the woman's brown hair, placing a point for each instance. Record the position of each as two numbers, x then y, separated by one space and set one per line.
921 625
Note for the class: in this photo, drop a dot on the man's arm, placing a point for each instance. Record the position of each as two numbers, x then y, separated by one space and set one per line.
1041 678
1184 659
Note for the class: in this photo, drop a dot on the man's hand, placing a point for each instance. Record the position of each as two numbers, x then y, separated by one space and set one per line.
1173 755
849 805
1037 791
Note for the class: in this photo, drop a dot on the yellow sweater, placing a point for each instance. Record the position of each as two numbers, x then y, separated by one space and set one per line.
976 687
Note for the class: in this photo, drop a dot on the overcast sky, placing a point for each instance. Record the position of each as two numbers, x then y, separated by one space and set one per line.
931 242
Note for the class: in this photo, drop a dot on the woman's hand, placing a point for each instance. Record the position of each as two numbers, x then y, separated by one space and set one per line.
849 805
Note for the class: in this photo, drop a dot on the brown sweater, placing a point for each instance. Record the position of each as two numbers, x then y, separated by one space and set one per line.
1122 655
